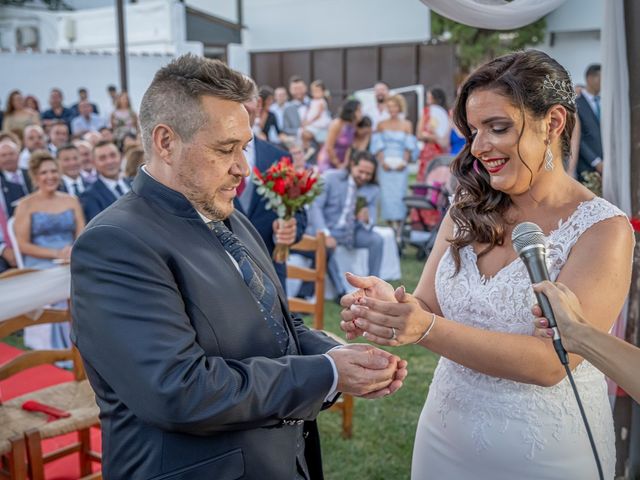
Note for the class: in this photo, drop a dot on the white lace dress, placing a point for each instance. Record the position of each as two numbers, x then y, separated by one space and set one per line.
475 426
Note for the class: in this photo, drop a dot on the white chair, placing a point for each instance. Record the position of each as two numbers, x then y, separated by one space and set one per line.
14 243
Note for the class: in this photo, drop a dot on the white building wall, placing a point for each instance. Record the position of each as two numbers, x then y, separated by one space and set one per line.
305 24
575 51
36 73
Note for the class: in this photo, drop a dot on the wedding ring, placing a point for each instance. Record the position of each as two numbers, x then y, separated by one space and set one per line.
393 334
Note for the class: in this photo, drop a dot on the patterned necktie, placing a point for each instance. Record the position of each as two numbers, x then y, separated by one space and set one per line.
119 190
76 188
596 100
261 286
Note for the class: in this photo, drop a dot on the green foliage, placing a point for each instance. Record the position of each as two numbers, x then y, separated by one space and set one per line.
475 45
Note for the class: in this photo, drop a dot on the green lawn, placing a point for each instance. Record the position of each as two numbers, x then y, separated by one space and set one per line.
383 430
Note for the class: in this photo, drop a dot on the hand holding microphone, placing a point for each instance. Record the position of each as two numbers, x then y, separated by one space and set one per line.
528 242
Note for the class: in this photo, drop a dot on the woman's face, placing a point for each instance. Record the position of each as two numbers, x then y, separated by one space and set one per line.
317 92
429 98
17 100
357 116
495 125
393 109
123 101
48 176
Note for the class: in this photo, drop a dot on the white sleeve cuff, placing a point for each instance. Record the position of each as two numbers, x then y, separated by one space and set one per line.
333 391
597 161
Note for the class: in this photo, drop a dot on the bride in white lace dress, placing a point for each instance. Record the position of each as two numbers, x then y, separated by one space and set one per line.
500 405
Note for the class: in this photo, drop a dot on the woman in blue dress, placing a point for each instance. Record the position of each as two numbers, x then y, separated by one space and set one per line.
394 146
46 224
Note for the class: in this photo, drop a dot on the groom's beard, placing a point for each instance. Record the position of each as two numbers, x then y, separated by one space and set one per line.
380 98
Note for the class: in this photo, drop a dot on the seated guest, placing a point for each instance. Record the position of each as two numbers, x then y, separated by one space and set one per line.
32 102
9 166
46 224
70 167
106 134
133 160
17 116
58 136
123 119
86 121
92 137
130 140
83 95
8 193
346 211
87 170
34 139
58 112
109 186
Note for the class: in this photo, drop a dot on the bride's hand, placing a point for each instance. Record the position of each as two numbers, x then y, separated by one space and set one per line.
400 322
372 287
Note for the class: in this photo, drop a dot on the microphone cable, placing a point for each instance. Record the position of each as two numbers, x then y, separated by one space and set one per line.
585 421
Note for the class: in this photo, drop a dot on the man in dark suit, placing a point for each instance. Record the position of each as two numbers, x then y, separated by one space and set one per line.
70 166
109 186
262 155
199 370
7 256
9 155
588 104
11 192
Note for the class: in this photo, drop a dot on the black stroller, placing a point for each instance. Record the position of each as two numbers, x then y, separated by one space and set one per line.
427 206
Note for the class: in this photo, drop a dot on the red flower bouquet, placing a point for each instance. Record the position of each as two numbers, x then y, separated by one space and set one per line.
287 191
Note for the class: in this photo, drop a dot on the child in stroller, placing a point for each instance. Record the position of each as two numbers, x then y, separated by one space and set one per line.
427 206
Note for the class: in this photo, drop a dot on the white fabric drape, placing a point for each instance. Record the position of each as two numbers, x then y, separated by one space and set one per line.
494 14
616 119
32 291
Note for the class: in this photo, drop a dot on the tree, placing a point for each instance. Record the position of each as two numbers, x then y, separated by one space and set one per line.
475 46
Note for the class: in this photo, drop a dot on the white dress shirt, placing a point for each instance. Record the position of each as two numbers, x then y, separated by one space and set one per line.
70 182
111 185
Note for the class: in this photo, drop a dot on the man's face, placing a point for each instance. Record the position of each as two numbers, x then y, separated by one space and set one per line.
298 90
86 160
84 108
211 165
363 172
8 156
106 134
280 96
59 134
82 94
107 161
34 139
593 82
55 99
69 161
381 91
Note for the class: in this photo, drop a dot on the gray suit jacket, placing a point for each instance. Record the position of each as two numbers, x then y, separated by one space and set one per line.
326 210
291 118
187 374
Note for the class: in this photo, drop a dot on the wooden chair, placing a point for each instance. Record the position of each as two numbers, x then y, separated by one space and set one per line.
317 275
75 397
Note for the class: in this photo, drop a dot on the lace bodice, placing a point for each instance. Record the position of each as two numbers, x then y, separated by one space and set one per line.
503 303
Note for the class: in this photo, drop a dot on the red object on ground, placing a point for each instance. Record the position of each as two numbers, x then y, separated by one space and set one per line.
66 468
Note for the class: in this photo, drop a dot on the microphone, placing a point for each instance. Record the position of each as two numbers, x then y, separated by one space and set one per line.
528 242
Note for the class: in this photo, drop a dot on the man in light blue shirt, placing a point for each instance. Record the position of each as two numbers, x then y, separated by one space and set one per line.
87 121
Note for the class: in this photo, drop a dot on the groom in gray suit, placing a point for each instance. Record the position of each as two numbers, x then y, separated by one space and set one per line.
346 211
199 369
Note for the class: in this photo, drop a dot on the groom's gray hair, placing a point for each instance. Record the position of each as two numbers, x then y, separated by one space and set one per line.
173 98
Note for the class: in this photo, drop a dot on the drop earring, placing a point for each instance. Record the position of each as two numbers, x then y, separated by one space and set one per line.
548 158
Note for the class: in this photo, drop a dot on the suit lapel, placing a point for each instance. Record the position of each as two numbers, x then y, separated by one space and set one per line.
106 194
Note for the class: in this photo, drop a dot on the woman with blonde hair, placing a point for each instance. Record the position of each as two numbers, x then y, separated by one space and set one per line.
394 147
46 224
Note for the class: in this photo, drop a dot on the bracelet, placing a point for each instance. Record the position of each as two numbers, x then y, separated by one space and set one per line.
426 334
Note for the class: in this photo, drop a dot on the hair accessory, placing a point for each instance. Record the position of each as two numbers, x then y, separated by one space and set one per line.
559 89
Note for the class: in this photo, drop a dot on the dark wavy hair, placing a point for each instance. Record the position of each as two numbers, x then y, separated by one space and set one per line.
348 109
478 210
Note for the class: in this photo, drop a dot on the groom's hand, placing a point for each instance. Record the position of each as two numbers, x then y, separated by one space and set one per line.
371 287
366 371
